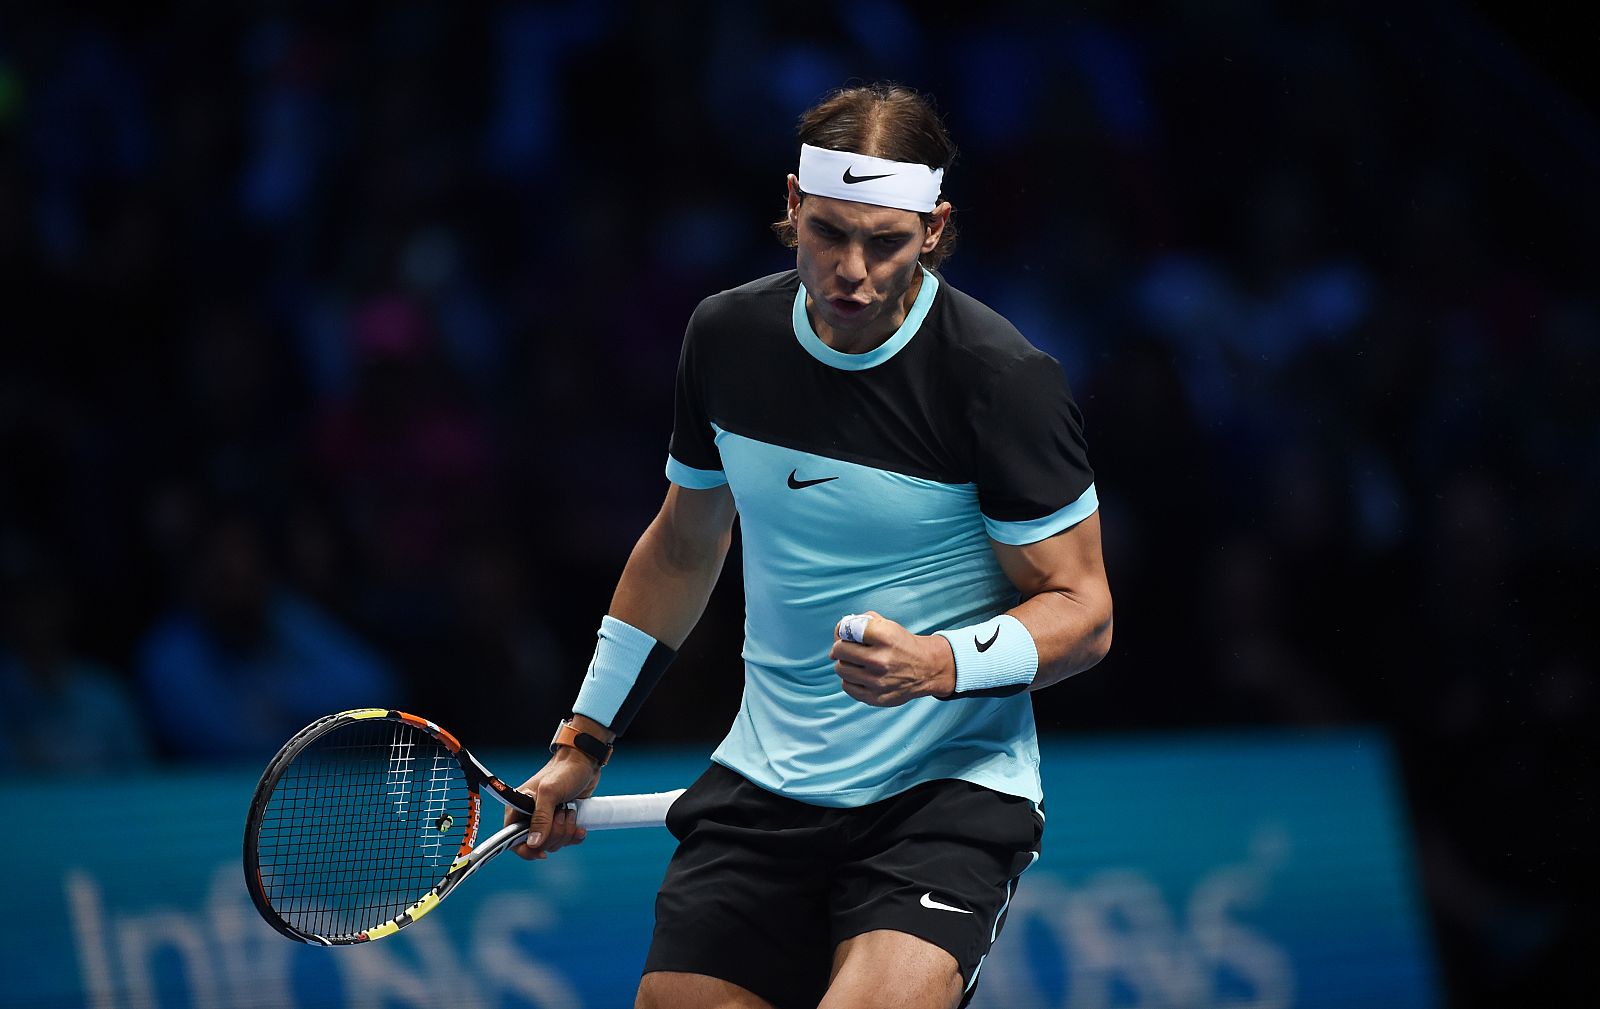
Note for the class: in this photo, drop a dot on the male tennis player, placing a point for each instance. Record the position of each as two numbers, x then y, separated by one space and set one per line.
921 548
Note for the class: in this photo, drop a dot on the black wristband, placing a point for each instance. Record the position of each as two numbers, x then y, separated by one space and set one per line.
570 735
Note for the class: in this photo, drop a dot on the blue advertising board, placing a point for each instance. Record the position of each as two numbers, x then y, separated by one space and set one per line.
1195 872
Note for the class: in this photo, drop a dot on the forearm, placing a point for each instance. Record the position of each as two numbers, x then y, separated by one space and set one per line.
1071 631
1069 634
663 590
1062 632
1066 606
667 582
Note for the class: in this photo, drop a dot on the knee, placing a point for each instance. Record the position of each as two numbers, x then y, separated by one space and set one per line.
672 990
649 996
653 993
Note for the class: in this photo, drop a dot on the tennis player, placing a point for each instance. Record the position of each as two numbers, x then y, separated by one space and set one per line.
921 548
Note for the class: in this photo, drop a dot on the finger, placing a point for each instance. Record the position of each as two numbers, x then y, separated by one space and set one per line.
877 697
544 808
852 627
552 838
864 666
512 815
845 651
574 834
526 850
563 825
866 695
528 788
859 675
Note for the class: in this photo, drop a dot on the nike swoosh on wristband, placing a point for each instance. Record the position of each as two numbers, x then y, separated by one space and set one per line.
851 180
983 646
928 902
802 484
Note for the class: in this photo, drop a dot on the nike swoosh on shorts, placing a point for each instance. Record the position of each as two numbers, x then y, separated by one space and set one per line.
928 902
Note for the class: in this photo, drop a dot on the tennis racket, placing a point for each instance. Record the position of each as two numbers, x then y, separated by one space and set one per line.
367 819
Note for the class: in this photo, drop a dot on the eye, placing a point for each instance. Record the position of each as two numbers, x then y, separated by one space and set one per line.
889 241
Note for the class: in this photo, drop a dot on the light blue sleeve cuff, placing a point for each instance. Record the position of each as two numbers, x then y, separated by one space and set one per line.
995 658
1032 531
694 479
618 658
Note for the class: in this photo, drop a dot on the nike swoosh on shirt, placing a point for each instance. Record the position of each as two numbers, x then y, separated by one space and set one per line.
928 902
851 180
802 484
983 646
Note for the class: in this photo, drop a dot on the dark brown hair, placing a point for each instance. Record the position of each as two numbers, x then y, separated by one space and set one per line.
882 120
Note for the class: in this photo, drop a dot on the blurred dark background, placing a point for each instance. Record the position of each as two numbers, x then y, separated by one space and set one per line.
338 345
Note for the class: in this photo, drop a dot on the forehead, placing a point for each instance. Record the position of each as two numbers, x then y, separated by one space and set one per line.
847 215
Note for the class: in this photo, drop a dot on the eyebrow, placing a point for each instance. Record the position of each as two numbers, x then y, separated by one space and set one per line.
887 231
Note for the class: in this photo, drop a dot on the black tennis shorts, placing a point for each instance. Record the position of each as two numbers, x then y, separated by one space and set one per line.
763 888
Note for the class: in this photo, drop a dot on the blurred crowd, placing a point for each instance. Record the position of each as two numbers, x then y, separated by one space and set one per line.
338 350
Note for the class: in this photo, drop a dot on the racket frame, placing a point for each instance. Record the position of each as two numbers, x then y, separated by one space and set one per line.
469 856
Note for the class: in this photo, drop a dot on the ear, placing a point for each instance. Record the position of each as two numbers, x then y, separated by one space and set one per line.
935 231
794 198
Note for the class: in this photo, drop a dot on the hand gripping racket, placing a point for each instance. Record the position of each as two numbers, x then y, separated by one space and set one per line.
367 819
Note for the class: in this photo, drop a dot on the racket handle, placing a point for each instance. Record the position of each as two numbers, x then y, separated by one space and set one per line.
607 812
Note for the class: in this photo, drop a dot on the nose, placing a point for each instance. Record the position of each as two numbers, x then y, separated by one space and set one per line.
852 265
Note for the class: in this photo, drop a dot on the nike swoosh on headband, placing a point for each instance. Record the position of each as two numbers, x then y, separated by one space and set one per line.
851 179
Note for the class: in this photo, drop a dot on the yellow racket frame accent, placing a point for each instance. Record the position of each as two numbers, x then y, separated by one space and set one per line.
412 913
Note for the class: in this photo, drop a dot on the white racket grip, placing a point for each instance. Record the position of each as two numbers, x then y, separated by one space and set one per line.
610 812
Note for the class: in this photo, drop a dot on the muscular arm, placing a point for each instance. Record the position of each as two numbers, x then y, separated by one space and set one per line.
1066 603
1066 607
663 591
670 574
673 568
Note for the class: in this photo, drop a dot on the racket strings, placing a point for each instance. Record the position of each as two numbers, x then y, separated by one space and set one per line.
436 810
354 833
401 757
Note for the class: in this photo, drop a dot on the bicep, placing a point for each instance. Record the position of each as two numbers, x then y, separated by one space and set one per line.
1067 602
1069 562
694 522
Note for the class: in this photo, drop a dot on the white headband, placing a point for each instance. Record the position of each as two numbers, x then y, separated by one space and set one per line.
863 179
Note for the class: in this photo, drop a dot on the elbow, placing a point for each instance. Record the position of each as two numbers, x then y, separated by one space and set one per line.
1097 643
1088 645
1102 638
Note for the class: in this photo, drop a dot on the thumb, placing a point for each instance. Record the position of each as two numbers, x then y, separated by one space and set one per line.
853 626
545 801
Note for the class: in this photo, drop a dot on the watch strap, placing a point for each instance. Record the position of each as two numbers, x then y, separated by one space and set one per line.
590 746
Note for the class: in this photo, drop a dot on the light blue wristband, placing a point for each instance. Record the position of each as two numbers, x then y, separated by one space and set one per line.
996 658
626 665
